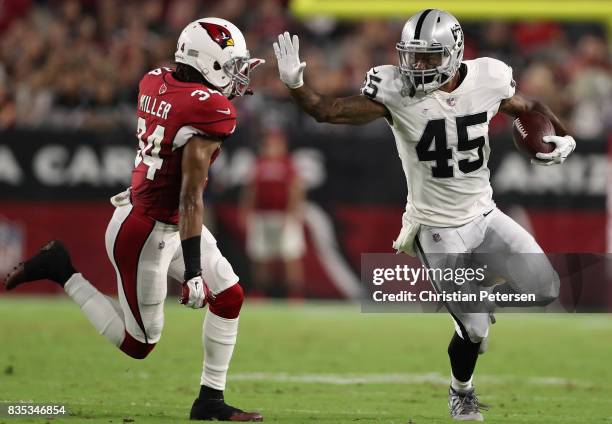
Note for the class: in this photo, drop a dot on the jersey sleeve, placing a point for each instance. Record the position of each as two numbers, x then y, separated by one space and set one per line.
206 113
383 84
500 78
215 118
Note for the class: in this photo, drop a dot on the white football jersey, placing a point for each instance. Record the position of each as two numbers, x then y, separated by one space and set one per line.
442 139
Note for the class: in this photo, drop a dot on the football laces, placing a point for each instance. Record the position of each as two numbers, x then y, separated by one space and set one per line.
520 128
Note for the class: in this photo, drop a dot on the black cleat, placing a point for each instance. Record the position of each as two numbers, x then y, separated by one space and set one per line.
52 262
217 409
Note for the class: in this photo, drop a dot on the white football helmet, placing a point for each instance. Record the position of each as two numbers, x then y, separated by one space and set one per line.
431 49
217 49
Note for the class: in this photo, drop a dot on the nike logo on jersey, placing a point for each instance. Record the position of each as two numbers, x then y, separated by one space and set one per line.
224 111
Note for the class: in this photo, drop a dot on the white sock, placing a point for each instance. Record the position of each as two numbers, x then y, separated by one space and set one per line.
461 386
103 312
219 337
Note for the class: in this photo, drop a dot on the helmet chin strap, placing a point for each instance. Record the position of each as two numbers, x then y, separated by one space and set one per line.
228 90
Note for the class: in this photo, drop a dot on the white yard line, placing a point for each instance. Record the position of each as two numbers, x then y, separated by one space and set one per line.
400 378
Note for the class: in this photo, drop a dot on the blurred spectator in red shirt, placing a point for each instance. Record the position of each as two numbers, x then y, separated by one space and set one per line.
273 208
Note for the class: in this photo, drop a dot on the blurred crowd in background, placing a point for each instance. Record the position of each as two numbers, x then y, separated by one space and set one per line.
77 63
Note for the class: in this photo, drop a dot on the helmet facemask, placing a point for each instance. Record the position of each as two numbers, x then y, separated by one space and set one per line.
428 67
238 71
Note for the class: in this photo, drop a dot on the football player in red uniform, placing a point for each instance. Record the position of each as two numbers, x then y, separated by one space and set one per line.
183 117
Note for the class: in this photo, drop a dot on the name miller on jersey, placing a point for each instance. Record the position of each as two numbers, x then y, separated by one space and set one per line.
161 110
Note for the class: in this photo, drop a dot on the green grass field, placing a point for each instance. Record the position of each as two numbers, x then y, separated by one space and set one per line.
322 363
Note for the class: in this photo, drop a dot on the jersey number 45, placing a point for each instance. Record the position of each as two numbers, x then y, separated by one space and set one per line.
435 133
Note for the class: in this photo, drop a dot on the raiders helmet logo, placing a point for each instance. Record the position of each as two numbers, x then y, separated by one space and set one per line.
219 34
457 34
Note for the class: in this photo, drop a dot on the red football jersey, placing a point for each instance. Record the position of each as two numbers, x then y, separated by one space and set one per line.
170 112
272 179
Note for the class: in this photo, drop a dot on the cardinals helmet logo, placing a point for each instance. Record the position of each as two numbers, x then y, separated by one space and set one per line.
219 34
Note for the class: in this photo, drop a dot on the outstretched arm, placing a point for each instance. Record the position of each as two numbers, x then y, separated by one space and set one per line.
564 143
336 110
354 110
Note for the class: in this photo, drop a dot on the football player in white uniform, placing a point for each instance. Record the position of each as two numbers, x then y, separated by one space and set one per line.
439 108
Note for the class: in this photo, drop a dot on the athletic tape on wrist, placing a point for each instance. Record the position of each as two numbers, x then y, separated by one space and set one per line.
191 256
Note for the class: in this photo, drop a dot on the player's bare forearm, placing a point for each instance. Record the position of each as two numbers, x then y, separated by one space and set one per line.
195 162
354 110
518 104
191 211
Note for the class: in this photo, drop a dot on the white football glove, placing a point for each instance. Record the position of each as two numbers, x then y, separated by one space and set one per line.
563 147
195 293
290 68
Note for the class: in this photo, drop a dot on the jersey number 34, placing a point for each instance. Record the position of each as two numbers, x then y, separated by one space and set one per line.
149 152
435 133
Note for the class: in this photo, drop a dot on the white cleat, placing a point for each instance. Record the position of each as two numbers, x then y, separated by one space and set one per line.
464 406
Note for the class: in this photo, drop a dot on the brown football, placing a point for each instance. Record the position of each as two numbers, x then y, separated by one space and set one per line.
527 131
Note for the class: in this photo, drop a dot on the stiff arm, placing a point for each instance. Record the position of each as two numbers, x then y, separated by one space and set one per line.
355 110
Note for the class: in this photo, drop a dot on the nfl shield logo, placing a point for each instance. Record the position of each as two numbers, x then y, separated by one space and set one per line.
436 237
163 89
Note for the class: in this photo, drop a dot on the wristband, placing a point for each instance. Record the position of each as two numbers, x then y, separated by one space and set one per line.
191 256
